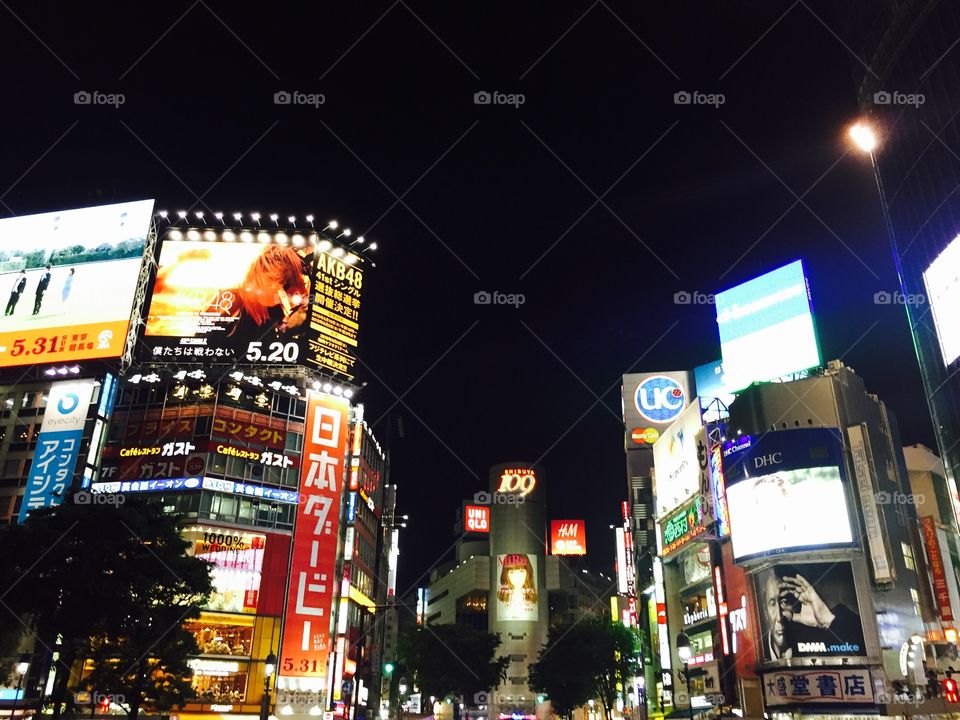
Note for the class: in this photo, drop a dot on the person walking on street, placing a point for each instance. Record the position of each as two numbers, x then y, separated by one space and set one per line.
41 289
18 287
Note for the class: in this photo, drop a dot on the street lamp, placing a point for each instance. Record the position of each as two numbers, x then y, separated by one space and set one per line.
21 669
269 668
685 652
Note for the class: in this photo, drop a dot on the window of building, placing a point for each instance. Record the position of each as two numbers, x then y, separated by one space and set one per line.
908 556
219 636
915 597
219 681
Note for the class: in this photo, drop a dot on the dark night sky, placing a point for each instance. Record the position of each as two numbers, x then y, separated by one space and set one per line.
464 197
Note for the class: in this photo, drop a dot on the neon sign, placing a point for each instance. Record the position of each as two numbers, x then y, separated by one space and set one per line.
517 481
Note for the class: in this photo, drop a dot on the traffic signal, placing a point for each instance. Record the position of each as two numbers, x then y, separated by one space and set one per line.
541 698
388 668
950 690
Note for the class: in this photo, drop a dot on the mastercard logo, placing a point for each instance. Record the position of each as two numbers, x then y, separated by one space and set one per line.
644 436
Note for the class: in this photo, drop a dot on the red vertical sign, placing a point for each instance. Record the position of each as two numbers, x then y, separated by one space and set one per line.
306 627
940 592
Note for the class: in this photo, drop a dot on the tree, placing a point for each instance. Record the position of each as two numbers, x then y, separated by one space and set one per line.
456 660
88 577
586 659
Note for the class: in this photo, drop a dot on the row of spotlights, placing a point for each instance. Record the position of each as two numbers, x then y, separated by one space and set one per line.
63 370
298 240
255 216
332 389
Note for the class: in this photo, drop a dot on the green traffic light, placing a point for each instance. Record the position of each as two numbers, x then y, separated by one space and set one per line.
388 668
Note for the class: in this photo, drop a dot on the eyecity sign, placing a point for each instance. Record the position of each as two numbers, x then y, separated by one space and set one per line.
659 399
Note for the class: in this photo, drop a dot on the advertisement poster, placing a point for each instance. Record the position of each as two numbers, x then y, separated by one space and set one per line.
256 302
818 686
69 279
941 591
808 610
306 628
517 590
676 461
785 492
568 537
237 559
58 445
766 328
651 402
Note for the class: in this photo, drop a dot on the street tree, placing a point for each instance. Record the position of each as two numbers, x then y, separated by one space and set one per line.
452 660
586 659
90 575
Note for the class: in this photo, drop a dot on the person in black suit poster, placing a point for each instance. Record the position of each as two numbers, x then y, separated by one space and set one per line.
41 289
18 287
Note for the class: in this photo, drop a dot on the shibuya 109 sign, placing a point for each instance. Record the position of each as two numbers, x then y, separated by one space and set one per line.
306 630
517 481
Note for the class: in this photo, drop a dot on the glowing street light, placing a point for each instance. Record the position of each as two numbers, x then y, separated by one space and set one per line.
863 137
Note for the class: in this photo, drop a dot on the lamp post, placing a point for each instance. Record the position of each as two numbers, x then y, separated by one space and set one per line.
269 668
21 669
685 652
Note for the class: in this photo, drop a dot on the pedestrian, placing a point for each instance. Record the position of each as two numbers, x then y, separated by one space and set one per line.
68 285
18 287
41 289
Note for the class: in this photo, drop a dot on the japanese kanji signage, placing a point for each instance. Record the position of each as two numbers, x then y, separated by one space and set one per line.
935 556
568 537
335 314
684 525
818 686
58 445
306 630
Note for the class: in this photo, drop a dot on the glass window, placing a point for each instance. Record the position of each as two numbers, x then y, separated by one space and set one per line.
908 556
11 469
216 636
219 681
294 442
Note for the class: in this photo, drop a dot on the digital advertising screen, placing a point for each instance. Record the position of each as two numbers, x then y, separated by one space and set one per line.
808 610
942 281
254 298
767 328
517 594
237 560
712 386
676 461
785 492
69 279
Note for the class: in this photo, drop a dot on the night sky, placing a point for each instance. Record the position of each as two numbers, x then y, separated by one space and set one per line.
598 198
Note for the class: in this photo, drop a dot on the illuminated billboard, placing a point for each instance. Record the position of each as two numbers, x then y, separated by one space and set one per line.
476 519
712 386
568 537
808 610
942 281
306 628
676 461
517 591
766 327
71 278
651 402
267 299
785 492
237 560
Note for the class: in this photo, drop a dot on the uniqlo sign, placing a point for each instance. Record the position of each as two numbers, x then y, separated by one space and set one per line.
306 628
476 518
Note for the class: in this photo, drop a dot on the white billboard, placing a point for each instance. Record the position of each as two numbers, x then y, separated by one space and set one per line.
942 280
675 461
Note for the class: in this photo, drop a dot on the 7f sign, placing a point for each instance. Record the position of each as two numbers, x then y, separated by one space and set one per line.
306 630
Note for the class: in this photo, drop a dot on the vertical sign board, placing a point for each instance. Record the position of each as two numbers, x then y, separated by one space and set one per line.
882 568
941 592
306 630
58 445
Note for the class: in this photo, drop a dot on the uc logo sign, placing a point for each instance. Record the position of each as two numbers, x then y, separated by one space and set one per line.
68 403
659 399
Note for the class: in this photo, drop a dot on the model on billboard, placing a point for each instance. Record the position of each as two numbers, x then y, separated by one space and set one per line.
67 286
517 595
18 287
798 622
42 286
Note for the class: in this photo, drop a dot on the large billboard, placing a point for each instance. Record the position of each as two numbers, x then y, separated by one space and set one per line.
942 282
236 557
517 596
785 492
766 327
651 402
712 386
71 278
568 537
58 445
306 627
226 297
808 610
676 461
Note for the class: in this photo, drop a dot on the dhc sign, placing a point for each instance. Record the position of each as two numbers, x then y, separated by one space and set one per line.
659 399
